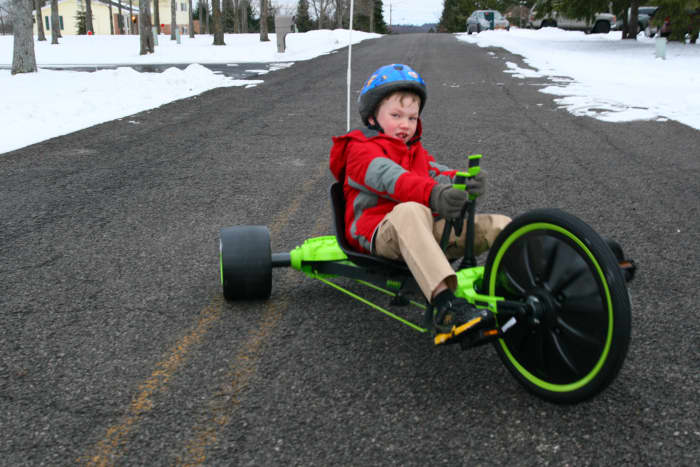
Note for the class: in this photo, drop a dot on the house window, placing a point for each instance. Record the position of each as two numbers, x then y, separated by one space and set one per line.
183 7
48 22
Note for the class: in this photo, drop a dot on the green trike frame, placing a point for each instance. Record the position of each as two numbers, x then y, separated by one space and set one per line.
556 288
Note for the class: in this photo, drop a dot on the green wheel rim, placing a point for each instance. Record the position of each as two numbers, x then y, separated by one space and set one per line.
596 368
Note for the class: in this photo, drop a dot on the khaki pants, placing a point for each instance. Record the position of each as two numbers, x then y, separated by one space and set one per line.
410 233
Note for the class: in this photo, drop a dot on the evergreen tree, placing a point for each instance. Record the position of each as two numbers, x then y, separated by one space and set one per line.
81 22
302 18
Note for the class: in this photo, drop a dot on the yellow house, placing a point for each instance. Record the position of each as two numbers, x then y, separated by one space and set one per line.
68 12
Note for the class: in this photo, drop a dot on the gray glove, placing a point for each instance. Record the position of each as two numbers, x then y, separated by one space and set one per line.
447 201
477 184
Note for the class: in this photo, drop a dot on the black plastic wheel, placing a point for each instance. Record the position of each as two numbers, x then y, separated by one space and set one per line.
245 261
576 343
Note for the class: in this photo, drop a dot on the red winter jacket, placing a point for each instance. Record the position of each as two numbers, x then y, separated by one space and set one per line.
378 172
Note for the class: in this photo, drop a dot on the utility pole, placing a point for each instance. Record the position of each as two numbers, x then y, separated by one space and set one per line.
390 8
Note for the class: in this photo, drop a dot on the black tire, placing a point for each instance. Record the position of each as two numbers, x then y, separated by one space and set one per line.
601 27
245 261
478 28
578 344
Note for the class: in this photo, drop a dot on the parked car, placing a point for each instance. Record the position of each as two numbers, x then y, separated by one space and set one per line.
602 22
481 20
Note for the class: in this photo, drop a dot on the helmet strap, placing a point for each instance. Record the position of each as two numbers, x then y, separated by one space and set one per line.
375 127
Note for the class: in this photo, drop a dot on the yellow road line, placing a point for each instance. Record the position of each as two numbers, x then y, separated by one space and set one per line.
115 441
223 402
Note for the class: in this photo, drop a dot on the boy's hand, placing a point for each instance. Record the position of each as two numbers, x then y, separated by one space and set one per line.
476 185
447 201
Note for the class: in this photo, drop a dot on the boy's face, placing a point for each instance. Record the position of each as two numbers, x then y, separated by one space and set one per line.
398 116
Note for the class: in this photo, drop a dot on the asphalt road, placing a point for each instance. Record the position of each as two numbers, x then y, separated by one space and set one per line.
117 347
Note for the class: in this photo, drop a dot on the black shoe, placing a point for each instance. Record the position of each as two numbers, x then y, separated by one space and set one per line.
453 317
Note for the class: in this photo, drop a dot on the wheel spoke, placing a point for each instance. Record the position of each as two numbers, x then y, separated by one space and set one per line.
590 303
551 261
512 286
568 280
563 354
579 335
527 263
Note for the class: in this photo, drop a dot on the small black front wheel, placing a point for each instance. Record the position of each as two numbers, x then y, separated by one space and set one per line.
245 262
575 340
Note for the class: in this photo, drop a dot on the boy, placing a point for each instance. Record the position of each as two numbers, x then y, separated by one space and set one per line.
392 187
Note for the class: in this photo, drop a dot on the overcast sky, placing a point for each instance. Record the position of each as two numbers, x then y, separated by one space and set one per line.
402 11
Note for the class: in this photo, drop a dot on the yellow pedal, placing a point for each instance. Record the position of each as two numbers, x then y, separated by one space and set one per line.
455 331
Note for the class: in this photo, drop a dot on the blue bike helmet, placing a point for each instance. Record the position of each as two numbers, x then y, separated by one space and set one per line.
384 81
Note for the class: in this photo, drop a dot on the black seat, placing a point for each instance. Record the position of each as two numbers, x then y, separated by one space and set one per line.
361 259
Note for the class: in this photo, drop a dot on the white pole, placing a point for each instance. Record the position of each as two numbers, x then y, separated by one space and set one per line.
352 12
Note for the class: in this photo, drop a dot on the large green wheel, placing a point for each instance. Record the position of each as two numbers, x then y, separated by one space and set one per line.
576 341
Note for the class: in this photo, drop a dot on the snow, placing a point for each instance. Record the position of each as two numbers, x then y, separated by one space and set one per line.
596 75
604 77
38 106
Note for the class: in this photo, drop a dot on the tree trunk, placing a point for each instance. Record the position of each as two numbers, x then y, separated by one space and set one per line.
263 21
88 17
339 14
202 19
39 23
243 15
156 15
191 21
173 19
228 15
218 27
55 22
111 19
23 59
131 18
145 31
634 19
120 20
236 17
371 15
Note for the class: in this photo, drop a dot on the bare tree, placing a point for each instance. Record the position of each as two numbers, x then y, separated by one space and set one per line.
173 19
339 7
88 17
229 15
120 20
243 16
191 21
55 22
23 59
111 18
263 21
371 15
145 31
156 14
39 23
218 27
203 14
321 10
131 17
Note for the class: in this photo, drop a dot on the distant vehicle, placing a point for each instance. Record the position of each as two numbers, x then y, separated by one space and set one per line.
482 20
603 23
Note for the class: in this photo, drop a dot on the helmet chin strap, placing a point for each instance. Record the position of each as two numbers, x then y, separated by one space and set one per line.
375 126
